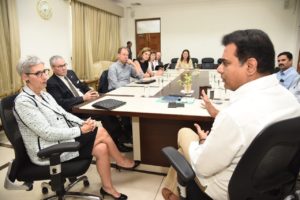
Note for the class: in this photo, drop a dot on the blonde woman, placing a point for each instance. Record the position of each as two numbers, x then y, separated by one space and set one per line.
142 62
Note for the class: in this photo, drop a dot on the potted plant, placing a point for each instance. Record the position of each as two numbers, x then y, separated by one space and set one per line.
186 81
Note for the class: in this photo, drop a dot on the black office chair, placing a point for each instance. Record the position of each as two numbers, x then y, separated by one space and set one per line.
195 62
208 63
173 63
267 171
103 83
219 61
22 169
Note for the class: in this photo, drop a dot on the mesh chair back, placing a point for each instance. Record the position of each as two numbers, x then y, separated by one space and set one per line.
270 166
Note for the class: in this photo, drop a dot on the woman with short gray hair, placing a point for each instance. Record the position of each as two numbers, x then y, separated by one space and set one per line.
43 123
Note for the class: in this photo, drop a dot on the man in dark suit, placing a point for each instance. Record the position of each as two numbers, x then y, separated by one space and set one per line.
61 85
69 91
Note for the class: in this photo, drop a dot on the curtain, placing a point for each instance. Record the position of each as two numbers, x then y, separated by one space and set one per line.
10 81
96 36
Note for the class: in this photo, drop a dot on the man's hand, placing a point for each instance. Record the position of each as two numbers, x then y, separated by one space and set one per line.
130 62
202 134
208 105
90 95
159 72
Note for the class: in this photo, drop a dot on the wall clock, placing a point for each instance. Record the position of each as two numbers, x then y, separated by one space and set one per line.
44 9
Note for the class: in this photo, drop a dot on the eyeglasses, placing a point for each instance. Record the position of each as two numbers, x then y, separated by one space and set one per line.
61 66
40 73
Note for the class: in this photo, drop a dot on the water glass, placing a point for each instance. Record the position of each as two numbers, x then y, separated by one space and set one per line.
211 94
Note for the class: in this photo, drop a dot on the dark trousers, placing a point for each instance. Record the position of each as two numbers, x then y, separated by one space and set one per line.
195 193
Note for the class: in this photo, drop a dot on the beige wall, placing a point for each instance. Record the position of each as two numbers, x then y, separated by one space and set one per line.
199 27
45 38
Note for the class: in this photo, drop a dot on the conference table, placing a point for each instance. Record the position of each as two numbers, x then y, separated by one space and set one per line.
154 124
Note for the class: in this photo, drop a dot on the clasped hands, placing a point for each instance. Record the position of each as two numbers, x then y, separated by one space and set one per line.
88 125
89 95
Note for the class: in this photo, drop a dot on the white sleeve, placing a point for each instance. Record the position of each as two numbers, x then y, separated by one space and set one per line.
219 149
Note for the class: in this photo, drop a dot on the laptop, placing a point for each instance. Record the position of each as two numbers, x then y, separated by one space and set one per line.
108 104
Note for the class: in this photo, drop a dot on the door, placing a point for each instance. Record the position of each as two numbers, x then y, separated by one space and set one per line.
147 34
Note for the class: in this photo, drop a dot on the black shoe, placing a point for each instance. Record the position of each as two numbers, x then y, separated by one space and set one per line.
136 163
121 197
123 148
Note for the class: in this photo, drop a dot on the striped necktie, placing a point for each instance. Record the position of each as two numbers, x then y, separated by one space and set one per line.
72 87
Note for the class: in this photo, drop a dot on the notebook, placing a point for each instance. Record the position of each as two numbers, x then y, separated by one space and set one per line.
108 104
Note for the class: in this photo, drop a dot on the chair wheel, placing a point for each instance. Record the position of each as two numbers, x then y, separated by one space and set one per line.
45 190
86 183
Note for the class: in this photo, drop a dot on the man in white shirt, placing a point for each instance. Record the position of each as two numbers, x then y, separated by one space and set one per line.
257 100
287 73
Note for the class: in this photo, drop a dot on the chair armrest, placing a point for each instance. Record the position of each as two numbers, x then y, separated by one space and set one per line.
184 170
58 149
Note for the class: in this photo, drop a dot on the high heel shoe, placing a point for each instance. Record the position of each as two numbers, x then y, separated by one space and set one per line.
104 193
136 163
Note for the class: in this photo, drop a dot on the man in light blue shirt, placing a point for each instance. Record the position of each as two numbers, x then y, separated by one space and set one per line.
119 73
287 73
295 88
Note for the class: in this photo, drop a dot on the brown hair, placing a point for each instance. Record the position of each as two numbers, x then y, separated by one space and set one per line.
145 49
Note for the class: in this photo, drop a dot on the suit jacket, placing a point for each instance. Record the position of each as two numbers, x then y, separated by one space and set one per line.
62 94
43 123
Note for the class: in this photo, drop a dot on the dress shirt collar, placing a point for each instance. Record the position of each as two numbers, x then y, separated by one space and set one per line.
254 86
121 64
287 71
61 77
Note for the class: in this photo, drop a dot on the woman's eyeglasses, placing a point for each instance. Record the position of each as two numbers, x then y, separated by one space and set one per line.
40 73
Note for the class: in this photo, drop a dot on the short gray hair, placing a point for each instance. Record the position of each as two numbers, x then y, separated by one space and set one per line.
53 59
25 64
